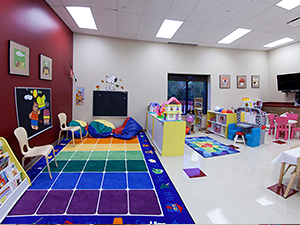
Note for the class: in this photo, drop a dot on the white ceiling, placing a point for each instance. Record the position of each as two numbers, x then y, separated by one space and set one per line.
205 21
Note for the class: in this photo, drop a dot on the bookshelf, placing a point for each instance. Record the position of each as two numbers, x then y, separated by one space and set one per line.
198 111
217 122
14 181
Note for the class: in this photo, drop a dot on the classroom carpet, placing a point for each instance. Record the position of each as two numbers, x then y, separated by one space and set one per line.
101 181
208 147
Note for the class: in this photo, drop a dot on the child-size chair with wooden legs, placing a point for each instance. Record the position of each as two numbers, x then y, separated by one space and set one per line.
28 152
295 174
63 127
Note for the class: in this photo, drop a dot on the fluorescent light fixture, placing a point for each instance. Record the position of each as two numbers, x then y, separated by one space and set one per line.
288 4
234 36
83 17
279 42
168 28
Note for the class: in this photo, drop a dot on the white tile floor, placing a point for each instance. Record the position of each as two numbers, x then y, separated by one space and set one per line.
235 188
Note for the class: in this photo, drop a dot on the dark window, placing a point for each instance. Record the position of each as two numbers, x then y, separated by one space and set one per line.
187 87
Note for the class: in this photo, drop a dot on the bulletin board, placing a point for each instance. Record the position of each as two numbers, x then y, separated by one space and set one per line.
33 106
110 103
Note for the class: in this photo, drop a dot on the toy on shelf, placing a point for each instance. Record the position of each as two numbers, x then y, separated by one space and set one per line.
172 110
152 107
248 102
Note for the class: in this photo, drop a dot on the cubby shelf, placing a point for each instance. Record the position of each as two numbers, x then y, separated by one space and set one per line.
217 122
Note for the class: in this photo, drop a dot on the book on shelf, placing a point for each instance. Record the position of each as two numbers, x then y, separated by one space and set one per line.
3 180
4 161
4 194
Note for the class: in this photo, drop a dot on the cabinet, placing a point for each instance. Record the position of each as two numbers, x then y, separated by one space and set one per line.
167 136
14 180
198 111
217 123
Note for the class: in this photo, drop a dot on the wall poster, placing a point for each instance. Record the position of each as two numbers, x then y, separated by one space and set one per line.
33 106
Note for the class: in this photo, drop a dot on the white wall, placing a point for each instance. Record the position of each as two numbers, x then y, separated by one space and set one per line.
282 60
143 68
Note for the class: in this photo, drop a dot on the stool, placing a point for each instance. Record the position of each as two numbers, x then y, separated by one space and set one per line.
237 139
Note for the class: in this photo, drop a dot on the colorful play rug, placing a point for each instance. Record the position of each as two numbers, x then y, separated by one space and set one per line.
208 147
101 181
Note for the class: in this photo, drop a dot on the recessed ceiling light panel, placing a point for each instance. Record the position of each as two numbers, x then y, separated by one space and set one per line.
279 42
168 28
83 17
234 36
288 4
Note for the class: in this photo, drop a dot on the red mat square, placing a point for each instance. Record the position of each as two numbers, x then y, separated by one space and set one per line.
194 172
280 190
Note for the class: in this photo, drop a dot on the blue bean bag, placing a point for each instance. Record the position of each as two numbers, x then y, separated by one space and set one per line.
100 129
128 130
80 123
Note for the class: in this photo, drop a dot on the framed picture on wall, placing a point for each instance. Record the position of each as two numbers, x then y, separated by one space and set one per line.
255 81
224 81
45 67
241 81
18 59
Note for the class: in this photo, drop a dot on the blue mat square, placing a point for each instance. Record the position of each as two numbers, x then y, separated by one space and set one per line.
114 181
43 181
90 181
139 181
66 181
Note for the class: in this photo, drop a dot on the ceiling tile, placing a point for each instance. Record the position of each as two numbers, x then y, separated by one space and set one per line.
65 16
106 20
179 11
203 32
226 11
104 4
204 9
248 13
149 26
131 6
187 30
157 8
128 23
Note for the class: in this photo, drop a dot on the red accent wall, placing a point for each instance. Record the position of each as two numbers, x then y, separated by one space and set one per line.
34 24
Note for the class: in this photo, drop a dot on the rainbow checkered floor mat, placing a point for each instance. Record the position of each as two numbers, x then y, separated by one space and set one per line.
208 147
101 181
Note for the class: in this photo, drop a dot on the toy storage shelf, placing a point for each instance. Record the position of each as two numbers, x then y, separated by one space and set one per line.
167 136
9 194
198 111
217 122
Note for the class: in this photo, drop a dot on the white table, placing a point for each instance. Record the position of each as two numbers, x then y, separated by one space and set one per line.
289 157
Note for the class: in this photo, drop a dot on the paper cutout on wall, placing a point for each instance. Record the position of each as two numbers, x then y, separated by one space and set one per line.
79 96
112 83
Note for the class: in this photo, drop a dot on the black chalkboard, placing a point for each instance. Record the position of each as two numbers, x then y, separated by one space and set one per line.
110 103
33 107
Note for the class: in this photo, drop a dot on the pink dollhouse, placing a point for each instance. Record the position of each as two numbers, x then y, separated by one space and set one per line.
172 110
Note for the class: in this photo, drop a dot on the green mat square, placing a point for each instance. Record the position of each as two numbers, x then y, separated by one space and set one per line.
136 165
99 155
95 166
116 155
81 155
53 168
64 155
134 155
74 166
115 166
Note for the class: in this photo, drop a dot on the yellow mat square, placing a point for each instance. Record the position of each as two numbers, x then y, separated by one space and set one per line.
101 147
117 147
88 147
133 147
